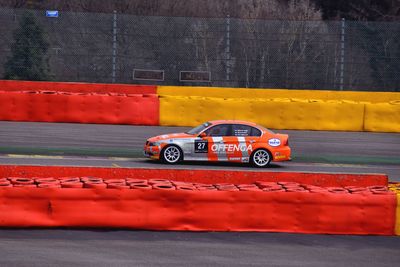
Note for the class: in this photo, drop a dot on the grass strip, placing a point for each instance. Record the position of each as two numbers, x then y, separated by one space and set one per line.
138 153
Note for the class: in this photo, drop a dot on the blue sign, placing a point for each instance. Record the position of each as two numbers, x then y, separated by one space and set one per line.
52 13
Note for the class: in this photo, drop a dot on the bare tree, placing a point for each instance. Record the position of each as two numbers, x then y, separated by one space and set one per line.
299 34
269 50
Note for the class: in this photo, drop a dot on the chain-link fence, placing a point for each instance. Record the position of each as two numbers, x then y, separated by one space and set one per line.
93 47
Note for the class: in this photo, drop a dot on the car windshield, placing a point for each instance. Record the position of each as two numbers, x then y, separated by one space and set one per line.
198 129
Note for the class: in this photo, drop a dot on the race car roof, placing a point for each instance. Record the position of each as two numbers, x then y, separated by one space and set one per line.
232 122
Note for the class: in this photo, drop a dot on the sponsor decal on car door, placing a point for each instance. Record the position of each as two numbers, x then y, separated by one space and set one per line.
229 148
248 143
217 151
233 148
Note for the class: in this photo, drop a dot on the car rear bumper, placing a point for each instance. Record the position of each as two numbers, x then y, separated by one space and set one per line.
281 154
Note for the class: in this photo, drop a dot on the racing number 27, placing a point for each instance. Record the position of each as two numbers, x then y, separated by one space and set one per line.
200 146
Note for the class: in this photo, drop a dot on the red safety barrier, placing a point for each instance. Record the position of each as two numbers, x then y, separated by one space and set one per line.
50 185
21 181
163 184
133 181
48 180
70 179
10 85
183 187
72 185
118 186
141 186
167 208
199 176
163 187
136 109
115 181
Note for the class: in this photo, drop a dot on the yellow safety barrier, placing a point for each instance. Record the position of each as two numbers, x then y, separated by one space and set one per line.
373 97
382 117
283 113
282 109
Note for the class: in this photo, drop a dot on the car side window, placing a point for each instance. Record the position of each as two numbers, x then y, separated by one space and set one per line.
241 130
219 130
245 130
255 132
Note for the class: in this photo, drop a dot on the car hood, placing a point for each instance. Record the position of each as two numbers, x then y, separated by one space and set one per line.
170 136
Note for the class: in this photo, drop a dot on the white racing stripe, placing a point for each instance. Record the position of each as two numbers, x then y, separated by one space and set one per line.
242 140
221 155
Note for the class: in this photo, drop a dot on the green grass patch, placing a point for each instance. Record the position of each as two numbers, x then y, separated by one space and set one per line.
138 153
344 159
68 151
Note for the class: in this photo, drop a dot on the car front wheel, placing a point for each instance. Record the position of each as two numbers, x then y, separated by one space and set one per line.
260 158
171 154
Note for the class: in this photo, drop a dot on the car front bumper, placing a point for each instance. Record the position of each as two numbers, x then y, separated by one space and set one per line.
152 152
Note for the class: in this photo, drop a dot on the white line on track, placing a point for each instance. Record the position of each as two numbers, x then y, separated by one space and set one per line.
18 156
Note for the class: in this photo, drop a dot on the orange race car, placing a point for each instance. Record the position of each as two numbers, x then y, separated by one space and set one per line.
224 140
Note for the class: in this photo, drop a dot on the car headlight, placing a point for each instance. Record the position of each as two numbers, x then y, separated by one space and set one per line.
154 143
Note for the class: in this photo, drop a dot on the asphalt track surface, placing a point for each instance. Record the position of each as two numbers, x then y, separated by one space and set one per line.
120 146
140 248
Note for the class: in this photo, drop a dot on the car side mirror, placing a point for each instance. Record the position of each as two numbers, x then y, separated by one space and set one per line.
203 134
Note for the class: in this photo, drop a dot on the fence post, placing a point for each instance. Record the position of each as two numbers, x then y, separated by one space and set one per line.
228 48
342 52
114 47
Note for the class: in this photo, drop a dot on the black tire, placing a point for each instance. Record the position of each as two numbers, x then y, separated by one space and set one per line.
171 154
261 158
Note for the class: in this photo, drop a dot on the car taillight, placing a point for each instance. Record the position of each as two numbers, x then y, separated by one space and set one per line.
287 142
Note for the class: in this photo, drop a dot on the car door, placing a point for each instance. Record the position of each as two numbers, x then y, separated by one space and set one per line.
243 140
213 143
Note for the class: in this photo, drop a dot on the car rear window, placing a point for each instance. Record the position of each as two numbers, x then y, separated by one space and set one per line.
255 132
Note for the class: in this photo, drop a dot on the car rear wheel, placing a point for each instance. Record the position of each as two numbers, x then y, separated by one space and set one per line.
171 154
260 158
